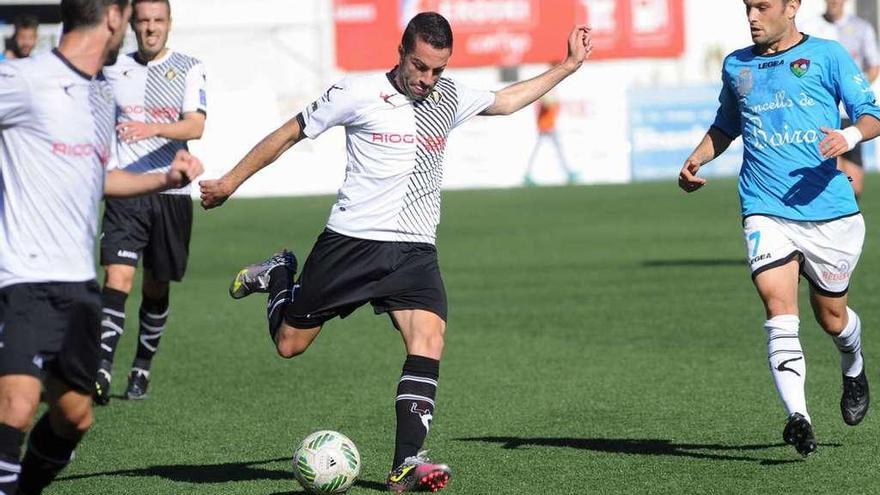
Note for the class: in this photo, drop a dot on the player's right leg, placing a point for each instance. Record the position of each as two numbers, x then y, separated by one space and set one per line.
25 319
338 277
19 398
124 234
571 176
778 290
775 264
275 277
57 335
528 180
118 281
55 436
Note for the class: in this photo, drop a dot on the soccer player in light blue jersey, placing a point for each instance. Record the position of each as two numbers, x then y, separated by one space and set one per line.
800 215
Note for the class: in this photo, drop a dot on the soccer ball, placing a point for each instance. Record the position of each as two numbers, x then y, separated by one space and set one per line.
326 462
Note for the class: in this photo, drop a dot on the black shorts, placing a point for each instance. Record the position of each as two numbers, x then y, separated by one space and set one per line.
156 227
854 155
51 327
343 273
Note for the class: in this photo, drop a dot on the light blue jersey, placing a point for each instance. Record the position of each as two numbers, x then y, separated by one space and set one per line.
778 103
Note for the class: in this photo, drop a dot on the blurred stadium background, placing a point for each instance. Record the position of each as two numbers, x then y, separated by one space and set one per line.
632 114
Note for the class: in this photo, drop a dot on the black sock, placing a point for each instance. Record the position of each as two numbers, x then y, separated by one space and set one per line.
10 453
280 295
112 322
47 454
153 315
414 405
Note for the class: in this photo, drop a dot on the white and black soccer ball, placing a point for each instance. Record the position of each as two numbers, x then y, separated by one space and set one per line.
326 462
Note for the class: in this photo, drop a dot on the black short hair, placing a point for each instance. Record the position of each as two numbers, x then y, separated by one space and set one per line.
26 21
430 27
77 14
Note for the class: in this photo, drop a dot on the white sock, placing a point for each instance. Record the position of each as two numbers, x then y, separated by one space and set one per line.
849 343
786 359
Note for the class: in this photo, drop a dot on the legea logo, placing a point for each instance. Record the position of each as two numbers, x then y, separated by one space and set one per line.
123 253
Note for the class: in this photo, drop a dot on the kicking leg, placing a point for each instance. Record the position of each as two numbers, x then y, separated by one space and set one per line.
275 276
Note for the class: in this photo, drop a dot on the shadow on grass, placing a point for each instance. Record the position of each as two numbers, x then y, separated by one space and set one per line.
693 262
647 447
228 472
369 485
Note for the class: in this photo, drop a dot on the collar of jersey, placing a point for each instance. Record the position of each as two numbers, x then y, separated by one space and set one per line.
69 64
390 76
783 52
155 61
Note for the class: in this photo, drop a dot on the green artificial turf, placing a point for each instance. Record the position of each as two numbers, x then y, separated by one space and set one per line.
601 339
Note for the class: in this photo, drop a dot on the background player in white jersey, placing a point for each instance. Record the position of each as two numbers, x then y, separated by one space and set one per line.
860 40
24 37
379 243
56 129
161 101
800 214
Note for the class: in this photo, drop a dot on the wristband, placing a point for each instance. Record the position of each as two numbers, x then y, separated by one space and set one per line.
852 135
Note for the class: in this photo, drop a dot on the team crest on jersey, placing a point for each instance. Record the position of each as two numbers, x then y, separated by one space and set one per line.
170 74
800 67
104 91
744 82
435 96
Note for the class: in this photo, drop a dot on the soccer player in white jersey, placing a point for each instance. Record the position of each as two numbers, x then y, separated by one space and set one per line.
378 246
860 40
160 94
800 216
56 128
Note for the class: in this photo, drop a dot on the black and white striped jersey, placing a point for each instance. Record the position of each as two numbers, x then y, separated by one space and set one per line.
56 130
395 149
159 91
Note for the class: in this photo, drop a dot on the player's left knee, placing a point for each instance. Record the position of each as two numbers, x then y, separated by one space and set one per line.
832 321
74 422
154 289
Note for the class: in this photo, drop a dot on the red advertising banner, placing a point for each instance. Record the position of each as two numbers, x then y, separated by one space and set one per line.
634 28
509 32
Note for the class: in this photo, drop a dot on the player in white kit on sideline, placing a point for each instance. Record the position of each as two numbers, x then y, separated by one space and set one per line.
162 104
57 117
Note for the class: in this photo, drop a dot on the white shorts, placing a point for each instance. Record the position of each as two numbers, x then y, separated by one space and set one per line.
827 251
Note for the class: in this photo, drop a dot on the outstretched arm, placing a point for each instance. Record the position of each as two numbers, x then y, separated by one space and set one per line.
518 95
713 144
215 192
121 184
